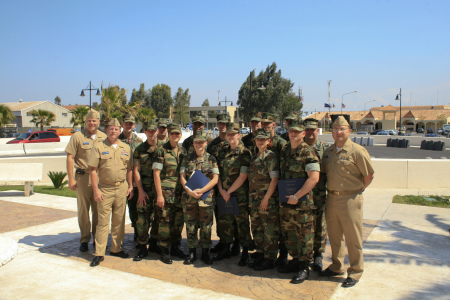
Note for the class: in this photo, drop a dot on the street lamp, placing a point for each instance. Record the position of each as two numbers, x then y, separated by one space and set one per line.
365 105
90 89
399 97
261 87
342 101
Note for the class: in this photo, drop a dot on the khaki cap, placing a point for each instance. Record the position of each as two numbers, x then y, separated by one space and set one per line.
112 122
92 114
340 121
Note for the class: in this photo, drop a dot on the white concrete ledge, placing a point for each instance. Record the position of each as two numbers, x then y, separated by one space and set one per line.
8 250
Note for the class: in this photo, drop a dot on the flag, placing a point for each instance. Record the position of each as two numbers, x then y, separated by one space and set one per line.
343 105
327 105
334 106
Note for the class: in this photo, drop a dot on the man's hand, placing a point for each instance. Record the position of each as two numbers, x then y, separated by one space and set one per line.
160 201
98 196
73 184
292 200
264 204
142 197
130 192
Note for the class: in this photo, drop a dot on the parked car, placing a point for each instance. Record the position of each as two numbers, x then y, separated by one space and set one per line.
392 132
12 135
440 131
431 134
244 130
362 132
429 130
280 131
64 131
420 130
375 132
36 137
382 132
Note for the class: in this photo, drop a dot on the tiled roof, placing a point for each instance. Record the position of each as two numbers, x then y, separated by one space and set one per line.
16 106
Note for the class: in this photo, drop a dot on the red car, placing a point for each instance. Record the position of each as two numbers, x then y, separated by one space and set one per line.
36 137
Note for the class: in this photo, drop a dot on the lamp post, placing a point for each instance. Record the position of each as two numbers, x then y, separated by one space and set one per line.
342 100
399 97
261 87
90 89
365 105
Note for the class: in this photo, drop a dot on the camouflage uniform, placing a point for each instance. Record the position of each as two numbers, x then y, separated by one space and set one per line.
144 156
297 221
249 139
198 213
188 143
231 164
171 215
292 116
265 224
133 142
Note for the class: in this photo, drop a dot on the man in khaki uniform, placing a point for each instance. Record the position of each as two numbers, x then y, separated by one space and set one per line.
111 187
78 151
349 172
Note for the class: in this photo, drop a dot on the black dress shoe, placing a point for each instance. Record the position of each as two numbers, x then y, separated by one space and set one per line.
265 264
327 273
96 261
282 259
191 257
153 246
259 258
205 256
244 257
302 275
217 248
120 254
317 265
165 256
142 253
225 253
175 251
291 267
349 282
84 247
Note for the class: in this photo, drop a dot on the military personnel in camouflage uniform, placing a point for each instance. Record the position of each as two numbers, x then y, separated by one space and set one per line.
131 139
143 158
198 123
319 192
162 130
198 213
298 160
234 160
248 140
166 175
287 123
263 178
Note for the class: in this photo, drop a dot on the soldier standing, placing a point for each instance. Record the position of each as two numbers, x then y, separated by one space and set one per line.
131 139
248 140
298 160
111 186
319 193
349 172
198 123
234 160
198 213
263 178
166 175
287 123
143 158
78 151
162 130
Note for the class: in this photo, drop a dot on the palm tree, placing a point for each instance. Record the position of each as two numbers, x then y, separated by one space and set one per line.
145 114
42 117
6 115
112 100
79 115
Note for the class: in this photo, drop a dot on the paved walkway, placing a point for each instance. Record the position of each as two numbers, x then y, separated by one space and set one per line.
406 255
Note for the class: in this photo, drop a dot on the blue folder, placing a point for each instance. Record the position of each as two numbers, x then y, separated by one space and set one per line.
287 187
198 180
227 208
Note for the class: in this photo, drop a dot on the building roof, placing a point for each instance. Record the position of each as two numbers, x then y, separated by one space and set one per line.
72 107
19 106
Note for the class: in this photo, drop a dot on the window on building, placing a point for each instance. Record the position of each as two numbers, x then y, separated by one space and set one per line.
28 114
64 114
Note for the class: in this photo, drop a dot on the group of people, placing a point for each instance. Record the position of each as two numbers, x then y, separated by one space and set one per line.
152 177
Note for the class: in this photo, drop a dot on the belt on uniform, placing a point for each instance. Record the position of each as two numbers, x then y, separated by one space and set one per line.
114 183
341 193
81 171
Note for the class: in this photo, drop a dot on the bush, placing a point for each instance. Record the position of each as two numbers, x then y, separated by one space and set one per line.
58 179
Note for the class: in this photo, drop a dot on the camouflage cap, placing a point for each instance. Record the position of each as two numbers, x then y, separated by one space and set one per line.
112 122
311 123
129 118
340 121
256 117
174 127
233 128
223 118
163 122
201 136
262 134
268 117
199 119
150 125
297 125
93 114
292 116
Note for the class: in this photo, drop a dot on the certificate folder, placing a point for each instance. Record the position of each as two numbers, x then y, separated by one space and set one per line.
198 180
227 208
287 187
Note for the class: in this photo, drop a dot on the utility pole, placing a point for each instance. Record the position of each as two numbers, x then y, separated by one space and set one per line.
329 103
218 97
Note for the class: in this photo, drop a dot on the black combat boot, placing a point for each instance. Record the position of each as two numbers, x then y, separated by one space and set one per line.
217 248
153 246
205 256
165 255
302 275
143 252
244 257
224 253
265 264
257 258
282 259
235 249
191 257
317 265
292 267
176 251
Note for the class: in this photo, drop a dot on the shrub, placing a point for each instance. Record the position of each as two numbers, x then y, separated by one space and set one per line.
58 179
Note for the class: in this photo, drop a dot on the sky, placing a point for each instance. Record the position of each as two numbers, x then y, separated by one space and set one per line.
55 48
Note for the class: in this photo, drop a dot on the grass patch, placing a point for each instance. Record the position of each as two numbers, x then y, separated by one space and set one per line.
420 200
43 189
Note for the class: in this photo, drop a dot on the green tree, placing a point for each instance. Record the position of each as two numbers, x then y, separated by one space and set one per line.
161 100
113 98
6 115
79 115
58 100
42 118
206 102
140 95
276 90
145 114
182 101
290 104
